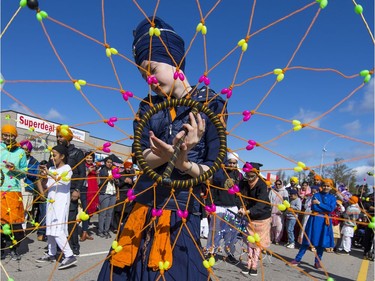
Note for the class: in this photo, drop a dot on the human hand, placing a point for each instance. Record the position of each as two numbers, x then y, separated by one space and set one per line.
243 212
75 195
194 132
316 201
9 165
160 148
43 171
128 181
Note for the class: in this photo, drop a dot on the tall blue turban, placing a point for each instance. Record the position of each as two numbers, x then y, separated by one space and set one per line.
174 43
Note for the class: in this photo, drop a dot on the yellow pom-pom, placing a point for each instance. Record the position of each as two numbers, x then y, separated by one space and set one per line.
244 47
77 86
256 237
280 77
251 239
297 128
157 32
277 71
297 169
286 204
82 82
114 244
281 207
166 265
83 216
199 27
108 52
204 30
118 249
301 164
206 264
211 261
113 51
296 122
241 42
151 31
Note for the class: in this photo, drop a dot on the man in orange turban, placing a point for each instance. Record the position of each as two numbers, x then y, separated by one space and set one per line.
13 165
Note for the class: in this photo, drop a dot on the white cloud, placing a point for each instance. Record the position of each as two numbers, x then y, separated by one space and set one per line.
353 128
19 108
54 115
306 116
349 107
361 174
366 102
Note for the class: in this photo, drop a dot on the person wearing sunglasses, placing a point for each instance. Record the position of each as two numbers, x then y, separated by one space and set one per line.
277 196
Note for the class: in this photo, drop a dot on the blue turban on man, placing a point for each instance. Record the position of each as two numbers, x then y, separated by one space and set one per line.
174 43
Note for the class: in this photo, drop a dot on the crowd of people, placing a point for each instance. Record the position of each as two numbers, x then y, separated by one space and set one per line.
159 227
51 197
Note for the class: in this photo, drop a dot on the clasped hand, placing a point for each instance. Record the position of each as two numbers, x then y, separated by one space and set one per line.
194 132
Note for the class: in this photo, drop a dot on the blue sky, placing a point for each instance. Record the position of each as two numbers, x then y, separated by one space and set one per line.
338 40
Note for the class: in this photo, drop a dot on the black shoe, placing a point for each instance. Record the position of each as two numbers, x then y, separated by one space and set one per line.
245 272
107 235
76 252
231 259
3 255
100 234
15 256
253 272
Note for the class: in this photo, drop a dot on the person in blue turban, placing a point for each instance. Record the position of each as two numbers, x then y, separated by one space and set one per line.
161 235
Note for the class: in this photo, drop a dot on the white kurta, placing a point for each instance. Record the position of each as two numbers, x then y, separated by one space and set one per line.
58 209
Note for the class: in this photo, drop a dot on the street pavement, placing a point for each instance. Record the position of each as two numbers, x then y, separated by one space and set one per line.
341 268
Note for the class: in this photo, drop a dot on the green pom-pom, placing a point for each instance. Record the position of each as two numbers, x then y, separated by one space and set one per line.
373 219
371 225
10 279
323 3
364 72
330 279
358 9
39 16
367 78
43 14
23 3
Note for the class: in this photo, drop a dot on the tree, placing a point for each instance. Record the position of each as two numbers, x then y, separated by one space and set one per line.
281 175
341 173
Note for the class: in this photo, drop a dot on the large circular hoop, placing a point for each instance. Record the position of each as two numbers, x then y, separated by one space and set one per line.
173 103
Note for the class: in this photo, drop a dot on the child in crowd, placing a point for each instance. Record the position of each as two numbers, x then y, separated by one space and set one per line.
351 215
57 181
291 217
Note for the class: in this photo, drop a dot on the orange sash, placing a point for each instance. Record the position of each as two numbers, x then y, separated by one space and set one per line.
12 208
131 236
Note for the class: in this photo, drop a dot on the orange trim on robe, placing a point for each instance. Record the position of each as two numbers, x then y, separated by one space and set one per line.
161 249
131 235
132 229
12 210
